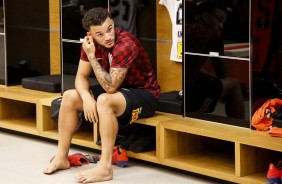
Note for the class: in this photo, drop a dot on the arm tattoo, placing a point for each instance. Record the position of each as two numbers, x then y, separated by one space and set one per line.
110 80
118 73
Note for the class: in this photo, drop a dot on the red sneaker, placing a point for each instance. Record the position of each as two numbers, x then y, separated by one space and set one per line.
274 173
119 157
76 159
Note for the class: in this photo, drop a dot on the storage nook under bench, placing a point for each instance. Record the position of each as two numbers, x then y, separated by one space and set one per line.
221 151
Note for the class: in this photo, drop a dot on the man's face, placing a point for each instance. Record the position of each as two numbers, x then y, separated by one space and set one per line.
104 34
220 18
216 19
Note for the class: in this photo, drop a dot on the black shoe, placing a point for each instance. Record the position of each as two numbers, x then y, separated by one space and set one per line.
145 142
132 137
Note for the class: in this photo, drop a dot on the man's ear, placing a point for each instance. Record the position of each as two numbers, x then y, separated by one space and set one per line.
88 33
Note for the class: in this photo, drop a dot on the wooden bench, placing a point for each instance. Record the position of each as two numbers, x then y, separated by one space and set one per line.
217 150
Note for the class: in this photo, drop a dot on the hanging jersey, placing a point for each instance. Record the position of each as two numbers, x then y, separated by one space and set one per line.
124 14
174 8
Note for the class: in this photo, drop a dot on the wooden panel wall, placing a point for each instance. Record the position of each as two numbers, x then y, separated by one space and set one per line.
169 72
55 48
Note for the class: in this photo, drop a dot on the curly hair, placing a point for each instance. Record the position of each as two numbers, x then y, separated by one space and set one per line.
94 17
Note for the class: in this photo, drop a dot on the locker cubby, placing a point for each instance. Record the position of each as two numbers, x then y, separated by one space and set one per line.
85 135
154 121
193 152
151 156
18 115
254 161
20 109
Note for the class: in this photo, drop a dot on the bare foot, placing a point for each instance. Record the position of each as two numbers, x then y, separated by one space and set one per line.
57 164
96 174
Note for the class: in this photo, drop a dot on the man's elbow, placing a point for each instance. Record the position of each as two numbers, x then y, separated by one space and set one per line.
111 90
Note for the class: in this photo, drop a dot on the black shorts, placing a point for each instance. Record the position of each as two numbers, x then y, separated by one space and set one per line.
139 103
202 94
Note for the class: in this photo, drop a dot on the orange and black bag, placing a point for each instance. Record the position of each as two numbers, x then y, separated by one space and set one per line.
263 117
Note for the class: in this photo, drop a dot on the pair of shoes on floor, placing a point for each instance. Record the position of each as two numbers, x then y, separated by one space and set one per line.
274 173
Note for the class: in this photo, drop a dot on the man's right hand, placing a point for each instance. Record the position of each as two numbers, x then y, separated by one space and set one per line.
90 109
89 47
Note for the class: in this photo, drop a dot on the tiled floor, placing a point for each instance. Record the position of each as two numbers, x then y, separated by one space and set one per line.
23 158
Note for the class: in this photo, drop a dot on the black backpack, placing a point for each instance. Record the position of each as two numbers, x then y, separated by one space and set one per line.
55 109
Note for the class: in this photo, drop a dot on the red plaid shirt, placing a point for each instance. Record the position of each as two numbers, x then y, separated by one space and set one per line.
128 53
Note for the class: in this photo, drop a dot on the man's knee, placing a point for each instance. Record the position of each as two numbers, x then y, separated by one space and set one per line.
104 101
70 97
69 94
115 103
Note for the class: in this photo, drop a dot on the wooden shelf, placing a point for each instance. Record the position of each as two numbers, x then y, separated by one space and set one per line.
19 108
157 118
254 179
25 125
218 163
146 156
51 134
225 152
22 94
253 150
209 164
